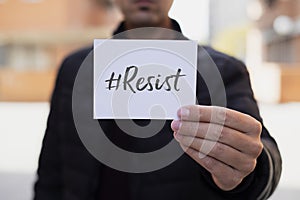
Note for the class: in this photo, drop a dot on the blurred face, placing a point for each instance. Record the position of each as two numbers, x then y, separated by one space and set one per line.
143 13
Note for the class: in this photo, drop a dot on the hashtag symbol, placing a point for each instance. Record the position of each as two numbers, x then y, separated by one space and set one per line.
113 80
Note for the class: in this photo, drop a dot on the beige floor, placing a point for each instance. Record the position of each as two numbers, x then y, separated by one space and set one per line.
22 127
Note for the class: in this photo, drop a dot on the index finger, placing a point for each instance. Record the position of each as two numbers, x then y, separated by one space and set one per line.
220 115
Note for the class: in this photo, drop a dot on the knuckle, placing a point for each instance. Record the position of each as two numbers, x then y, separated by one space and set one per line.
260 147
237 178
250 166
256 148
257 127
232 180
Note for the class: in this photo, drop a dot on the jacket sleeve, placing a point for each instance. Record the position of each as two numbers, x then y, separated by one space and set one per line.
261 183
48 184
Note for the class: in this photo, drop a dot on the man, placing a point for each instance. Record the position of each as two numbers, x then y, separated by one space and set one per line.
243 163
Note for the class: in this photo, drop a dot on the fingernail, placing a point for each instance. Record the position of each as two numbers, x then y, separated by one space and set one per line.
184 112
176 125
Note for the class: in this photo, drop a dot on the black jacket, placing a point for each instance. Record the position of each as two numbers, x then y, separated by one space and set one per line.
68 171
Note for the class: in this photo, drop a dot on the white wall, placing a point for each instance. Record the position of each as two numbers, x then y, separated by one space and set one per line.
193 16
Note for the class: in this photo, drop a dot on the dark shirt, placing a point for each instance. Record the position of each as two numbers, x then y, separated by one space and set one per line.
68 171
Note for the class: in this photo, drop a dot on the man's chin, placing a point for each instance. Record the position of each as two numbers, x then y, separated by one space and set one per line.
143 20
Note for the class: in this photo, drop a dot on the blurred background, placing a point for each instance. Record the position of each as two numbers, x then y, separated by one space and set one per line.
35 35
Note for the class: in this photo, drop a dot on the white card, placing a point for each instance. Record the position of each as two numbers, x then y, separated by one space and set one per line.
143 79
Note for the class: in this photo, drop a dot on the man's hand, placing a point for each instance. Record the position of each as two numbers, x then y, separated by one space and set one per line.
225 142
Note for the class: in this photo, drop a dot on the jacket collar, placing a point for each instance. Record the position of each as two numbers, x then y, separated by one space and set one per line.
175 27
121 28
